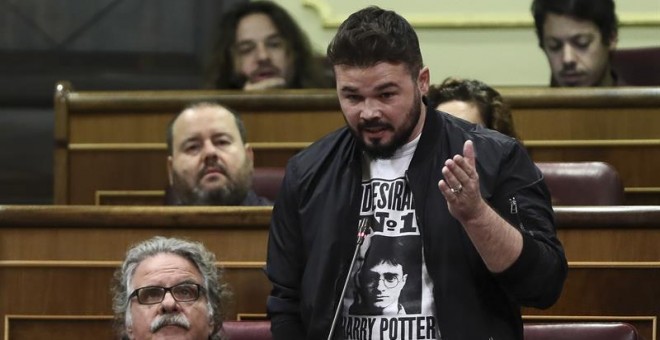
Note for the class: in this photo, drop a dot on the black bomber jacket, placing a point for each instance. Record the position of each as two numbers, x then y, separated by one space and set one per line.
315 218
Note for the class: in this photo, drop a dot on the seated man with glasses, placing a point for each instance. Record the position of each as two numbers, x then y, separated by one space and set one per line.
168 287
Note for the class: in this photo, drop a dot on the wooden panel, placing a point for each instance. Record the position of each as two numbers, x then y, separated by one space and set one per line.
130 197
46 232
588 113
306 115
143 167
594 123
149 127
609 289
134 122
610 234
59 260
57 288
115 170
616 234
642 196
55 327
637 165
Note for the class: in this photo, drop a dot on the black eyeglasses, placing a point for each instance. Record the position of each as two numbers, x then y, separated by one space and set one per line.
183 292
390 280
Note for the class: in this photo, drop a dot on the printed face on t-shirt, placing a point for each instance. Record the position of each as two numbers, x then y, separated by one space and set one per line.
383 284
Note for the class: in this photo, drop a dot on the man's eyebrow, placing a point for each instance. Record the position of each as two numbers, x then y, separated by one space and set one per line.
386 85
251 41
571 37
381 87
190 139
274 35
349 89
582 35
189 280
222 134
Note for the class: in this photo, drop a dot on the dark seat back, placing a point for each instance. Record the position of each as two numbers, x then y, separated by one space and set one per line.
247 330
266 182
581 331
582 183
638 66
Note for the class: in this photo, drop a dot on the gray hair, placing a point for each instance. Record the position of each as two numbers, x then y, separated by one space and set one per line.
195 252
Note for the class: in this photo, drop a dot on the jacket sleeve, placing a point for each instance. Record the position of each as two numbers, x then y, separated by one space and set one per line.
537 277
285 263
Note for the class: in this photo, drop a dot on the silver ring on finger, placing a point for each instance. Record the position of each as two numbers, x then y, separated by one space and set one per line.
457 190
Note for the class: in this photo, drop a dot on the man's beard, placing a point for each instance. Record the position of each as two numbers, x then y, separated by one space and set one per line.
232 193
378 150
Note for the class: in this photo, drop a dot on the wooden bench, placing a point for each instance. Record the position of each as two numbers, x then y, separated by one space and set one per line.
114 141
58 261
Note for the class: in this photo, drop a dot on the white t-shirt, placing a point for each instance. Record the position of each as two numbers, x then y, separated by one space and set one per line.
390 294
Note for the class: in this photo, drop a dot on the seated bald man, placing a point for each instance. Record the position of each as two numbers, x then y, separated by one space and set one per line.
210 162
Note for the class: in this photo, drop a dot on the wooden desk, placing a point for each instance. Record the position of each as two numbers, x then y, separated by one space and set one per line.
115 140
58 261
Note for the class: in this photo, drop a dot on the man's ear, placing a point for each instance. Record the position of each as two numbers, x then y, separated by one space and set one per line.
249 153
170 174
424 80
614 39
212 329
129 332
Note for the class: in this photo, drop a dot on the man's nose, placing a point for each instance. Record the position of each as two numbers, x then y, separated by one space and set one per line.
568 54
371 109
169 304
209 150
262 52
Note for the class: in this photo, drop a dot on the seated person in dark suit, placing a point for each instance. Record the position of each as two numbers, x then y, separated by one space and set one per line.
578 37
209 161
168 288
260 47
473 101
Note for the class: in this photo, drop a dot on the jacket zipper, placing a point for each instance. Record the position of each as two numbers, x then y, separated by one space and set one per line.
514 211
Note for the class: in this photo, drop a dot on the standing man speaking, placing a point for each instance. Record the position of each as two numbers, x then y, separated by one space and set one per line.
467 203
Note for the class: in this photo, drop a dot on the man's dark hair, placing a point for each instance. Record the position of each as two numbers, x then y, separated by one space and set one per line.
600 12
374 35
170 126
384 250
308 69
